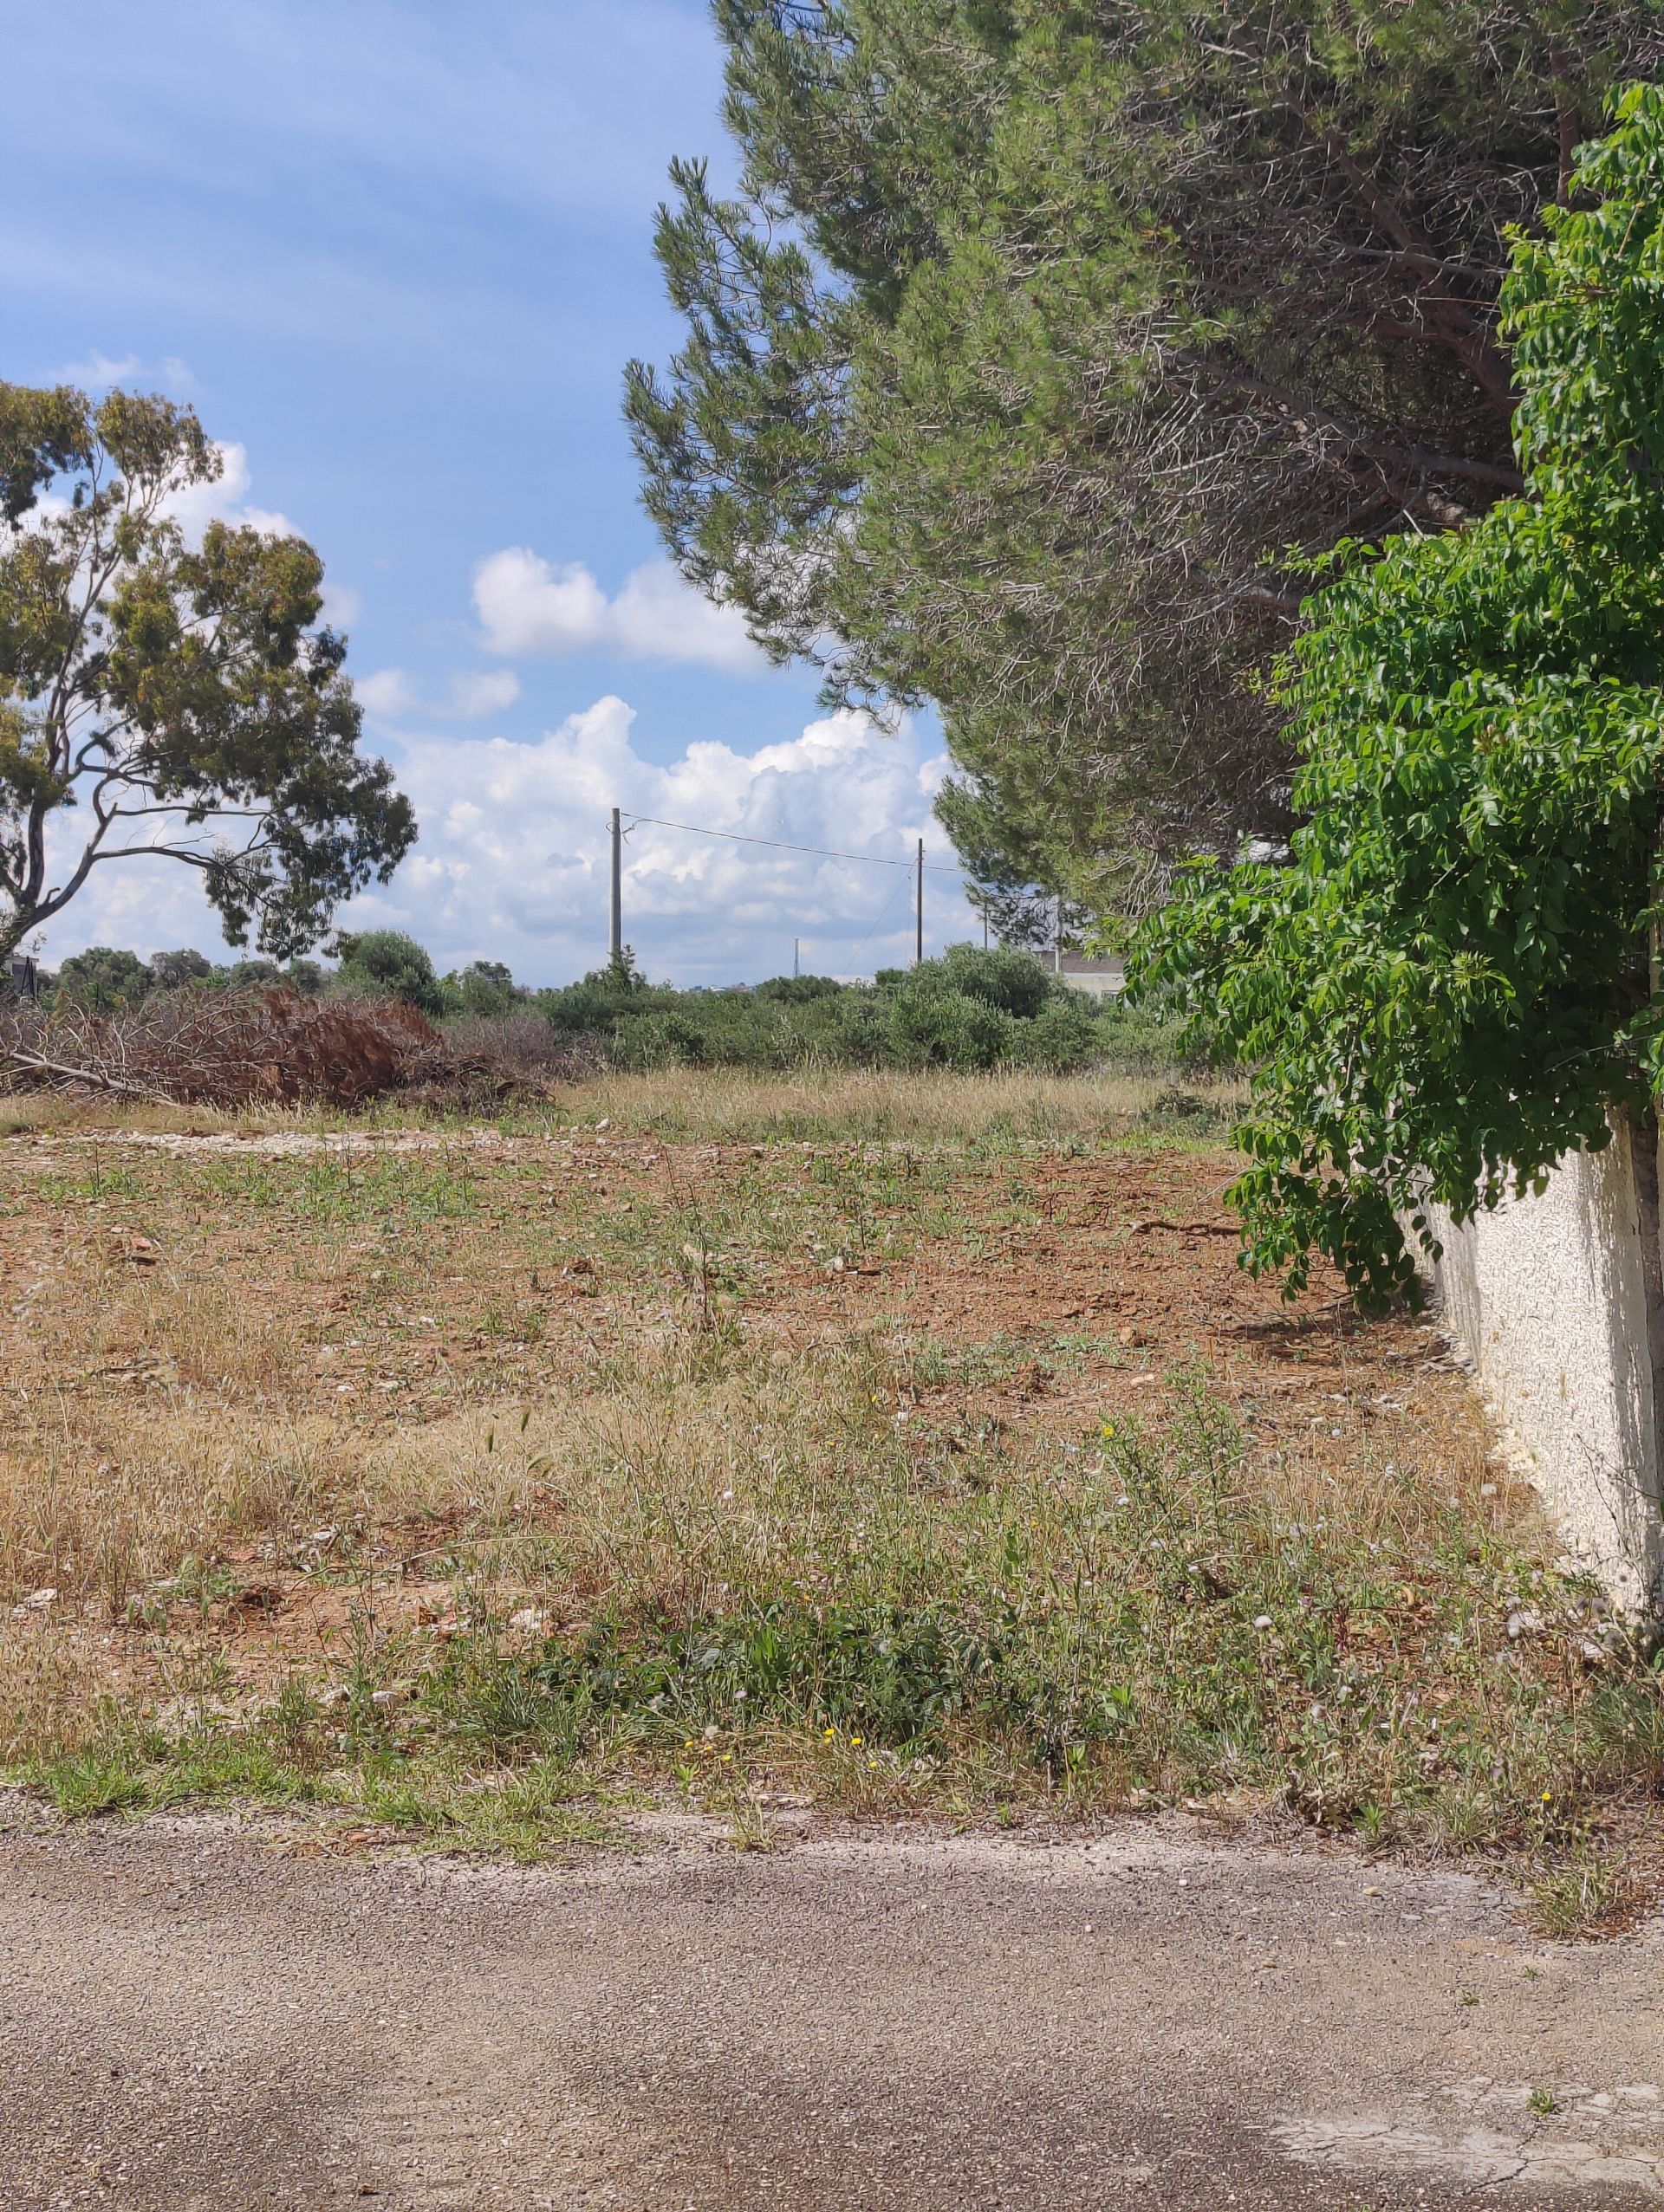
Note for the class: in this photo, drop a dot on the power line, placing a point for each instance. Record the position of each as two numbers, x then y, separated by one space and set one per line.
874 925
779 844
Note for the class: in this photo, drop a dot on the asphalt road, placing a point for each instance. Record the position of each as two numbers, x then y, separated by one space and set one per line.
193 2014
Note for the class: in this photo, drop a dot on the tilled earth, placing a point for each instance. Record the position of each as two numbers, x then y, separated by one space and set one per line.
1124 1260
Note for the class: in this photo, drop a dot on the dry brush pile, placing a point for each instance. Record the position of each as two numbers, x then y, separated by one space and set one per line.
251 1048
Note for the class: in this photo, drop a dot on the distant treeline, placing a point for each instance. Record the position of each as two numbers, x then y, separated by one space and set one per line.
970 1008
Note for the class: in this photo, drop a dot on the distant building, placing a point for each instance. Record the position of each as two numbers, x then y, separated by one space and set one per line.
1104 975
22 975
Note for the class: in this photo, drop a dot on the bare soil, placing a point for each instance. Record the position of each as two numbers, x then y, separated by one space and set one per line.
175 1281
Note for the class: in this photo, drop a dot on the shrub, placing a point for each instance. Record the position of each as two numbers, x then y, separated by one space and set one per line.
591 1007
483 988
385 963
800 990
933 1025
1066 1033
1014 982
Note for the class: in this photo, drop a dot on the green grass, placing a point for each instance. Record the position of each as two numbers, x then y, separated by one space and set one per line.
1130 1619
432 1801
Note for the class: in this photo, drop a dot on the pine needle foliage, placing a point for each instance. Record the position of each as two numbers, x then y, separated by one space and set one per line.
1034 331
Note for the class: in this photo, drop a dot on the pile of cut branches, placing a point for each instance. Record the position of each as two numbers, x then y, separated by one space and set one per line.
241 1048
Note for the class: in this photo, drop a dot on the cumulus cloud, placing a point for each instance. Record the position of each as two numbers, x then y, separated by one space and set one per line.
512 861
527 606
224 500
470 696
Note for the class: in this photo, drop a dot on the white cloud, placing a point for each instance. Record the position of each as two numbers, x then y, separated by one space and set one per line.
342 606
512 861
223 500
470 696
100 372
529 606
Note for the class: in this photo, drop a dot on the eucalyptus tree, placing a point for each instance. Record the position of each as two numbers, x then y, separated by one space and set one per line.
162 699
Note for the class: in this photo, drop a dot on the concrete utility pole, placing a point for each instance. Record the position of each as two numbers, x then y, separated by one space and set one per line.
615 933
795 942
1057 939
919 906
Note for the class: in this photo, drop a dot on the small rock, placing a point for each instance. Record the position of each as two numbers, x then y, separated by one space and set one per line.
1526 1622
385 1699
38 1601
529 1619
1262 1620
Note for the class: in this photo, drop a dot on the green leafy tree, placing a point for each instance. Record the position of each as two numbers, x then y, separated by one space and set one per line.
254 975
483 987
103 979
385 963
307 976
173 971
1036 330
162 700
1456 979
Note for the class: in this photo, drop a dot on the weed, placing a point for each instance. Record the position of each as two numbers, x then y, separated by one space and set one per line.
1579 1895
749 1827
92 1783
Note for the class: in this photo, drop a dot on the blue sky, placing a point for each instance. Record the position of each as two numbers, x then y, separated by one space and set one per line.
397 256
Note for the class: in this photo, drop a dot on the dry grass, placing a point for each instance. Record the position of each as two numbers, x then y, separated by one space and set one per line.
946 1460
733 1105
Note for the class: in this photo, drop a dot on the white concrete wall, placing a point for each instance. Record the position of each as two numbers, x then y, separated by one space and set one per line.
1550 1299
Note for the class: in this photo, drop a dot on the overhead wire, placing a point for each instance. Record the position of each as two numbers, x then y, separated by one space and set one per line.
779 844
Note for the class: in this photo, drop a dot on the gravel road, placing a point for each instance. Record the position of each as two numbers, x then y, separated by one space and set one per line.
200 2014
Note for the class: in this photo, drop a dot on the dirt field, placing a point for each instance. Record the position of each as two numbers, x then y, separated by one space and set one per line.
787 1468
